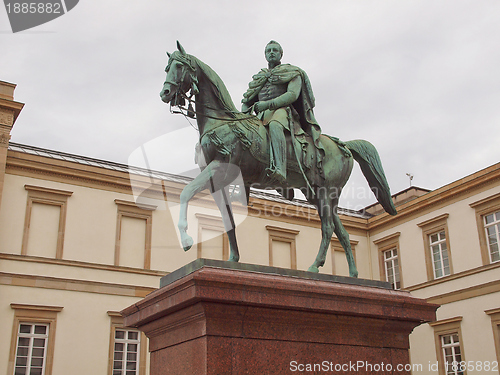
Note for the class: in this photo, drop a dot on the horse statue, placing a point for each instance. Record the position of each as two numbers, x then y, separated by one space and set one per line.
233 142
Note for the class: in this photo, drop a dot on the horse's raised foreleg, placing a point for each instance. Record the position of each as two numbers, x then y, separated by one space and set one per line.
325 212
221 197
343 237
201 182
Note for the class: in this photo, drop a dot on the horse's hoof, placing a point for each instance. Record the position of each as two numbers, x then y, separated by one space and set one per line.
353 272
313 269
187 243
234 258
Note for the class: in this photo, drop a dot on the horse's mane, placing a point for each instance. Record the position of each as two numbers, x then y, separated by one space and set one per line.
218 86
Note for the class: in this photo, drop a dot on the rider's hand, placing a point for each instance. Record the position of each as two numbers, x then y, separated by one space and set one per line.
261 106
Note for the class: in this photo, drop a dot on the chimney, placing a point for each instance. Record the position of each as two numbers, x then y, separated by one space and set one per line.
9 111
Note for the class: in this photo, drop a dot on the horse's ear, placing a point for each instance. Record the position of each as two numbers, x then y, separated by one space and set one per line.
169 55
181 48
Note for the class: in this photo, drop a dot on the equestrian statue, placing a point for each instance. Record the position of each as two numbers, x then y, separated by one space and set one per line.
280 147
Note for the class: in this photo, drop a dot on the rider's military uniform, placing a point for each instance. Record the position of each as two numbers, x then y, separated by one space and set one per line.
286 104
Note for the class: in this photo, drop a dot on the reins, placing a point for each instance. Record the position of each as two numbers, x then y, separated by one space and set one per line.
190 112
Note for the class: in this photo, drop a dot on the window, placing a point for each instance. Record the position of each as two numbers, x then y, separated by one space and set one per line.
213 242
282 250
339 260
31 349
452 355
126 352
45 222
33 338
495 325
488 226
127 348
391 268
437 247
448 340
492 228
133 234
389 262
439 254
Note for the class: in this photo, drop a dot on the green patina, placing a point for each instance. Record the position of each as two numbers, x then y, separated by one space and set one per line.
280 147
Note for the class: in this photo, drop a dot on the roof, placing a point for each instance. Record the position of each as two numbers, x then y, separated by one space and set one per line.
58 155
258 194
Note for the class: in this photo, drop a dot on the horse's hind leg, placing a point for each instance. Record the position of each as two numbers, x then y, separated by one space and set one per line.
221 197
343 237
325 211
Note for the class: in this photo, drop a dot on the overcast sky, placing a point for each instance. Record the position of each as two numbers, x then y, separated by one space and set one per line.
420 79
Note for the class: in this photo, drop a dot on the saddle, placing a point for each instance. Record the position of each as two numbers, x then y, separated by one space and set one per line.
302 154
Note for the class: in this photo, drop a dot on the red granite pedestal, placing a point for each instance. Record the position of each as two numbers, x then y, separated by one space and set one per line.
210 319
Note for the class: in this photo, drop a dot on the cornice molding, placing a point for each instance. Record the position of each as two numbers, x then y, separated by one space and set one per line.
394 237
41 189
64 174
115 314
466 293
130 204
438 198
455 319
454 276
282 232
40 167
80 264
486 201
13 106
492 311
433 221
19 306
73 285
335 242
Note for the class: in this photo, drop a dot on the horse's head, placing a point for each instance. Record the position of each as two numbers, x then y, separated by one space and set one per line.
181 77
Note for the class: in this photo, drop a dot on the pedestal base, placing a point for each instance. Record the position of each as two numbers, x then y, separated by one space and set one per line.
220 318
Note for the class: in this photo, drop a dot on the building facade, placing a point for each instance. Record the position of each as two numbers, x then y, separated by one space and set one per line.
443 246
81 239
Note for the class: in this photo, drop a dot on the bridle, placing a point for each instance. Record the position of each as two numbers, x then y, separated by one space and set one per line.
190 111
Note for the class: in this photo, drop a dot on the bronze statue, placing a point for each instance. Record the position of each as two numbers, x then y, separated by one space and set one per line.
281 96
233 142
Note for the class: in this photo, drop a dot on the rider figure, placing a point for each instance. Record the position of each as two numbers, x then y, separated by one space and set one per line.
278 94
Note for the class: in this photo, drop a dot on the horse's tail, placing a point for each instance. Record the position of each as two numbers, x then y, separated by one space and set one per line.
367 156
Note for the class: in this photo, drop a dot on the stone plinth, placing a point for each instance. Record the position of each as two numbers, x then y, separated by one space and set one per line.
222 318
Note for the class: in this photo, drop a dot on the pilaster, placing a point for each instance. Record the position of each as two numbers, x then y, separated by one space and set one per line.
9 111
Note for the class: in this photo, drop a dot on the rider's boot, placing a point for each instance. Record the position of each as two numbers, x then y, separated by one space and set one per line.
278 144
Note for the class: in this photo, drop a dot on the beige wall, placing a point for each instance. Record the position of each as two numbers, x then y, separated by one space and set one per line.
90 225
477 332
91 229
87 283
463 237
12 215
83 326
472 289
